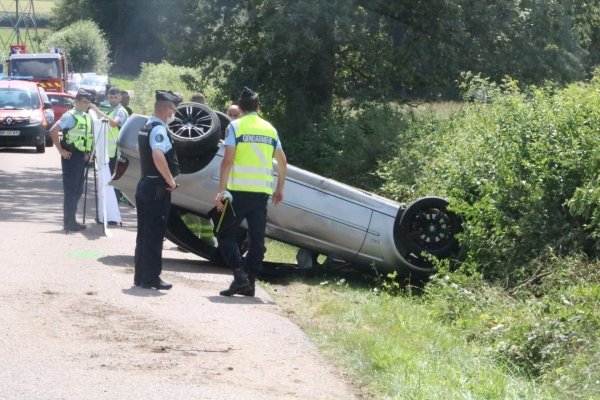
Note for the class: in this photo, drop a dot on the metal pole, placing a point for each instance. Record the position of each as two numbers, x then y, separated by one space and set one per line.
87 170
17 27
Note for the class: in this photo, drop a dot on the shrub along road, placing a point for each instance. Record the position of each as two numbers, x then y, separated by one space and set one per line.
73 326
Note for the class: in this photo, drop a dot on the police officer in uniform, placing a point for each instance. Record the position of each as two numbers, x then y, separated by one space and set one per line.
247 176
75 149
153 195
117 116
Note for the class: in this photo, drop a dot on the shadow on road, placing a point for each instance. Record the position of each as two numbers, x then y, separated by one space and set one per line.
139 292
169 264
238 300
36 195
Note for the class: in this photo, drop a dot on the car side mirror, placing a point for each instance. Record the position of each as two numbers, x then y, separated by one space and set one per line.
47 106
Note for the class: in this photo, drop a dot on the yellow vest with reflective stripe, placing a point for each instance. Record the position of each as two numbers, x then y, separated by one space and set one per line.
113 133
81 134
252 169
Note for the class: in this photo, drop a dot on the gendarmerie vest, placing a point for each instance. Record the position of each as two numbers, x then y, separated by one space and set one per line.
147 162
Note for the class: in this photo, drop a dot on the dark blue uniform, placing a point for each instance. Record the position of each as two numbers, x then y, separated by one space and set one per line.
153 202
73 169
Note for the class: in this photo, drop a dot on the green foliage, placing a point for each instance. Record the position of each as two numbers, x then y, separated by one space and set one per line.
510 167
137 30
348 145
395 347
85 46
551 337
154 77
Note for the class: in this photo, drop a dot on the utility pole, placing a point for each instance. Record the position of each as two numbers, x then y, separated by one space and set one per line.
19 15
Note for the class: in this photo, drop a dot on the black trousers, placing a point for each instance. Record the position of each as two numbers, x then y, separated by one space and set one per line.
73 171
251 207
152 215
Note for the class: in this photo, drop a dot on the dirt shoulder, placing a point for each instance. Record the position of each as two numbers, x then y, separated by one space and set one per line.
73 326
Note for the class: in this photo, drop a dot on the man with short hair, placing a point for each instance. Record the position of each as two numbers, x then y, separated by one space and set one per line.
159 167
74 148
125 99
246 179
233 112
117 116
198 98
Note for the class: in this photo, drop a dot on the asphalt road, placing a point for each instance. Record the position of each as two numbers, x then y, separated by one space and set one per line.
72 326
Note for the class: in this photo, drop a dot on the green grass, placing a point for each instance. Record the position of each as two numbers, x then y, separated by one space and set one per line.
124 82
7 34
394 348
40 6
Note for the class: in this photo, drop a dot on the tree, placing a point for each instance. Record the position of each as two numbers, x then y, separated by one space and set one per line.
85 46
137 30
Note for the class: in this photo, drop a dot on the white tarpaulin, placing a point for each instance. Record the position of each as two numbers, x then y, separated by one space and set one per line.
108 207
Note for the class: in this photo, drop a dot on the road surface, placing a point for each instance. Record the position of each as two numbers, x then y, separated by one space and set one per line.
72 325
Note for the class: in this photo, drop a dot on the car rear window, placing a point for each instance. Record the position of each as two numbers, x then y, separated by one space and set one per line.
61 101
95 80
12 99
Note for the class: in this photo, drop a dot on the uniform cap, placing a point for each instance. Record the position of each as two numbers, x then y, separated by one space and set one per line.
83 93
166 95
246 93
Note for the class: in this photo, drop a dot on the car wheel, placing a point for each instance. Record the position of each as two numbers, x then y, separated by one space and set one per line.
49 142
41 148
427 226
225 121
196 130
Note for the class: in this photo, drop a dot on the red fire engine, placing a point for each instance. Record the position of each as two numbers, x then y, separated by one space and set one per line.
49 70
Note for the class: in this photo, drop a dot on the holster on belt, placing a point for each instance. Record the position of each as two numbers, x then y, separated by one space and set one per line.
70 147
161 188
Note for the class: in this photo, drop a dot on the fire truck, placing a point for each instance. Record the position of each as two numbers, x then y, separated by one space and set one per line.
49 70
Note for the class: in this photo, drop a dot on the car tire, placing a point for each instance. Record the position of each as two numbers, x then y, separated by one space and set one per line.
49 142
427 226
41 148
225 121
196 130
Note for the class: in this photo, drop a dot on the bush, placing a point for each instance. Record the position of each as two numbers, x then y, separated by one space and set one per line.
348 145
511 169
85 46
551 336
162 76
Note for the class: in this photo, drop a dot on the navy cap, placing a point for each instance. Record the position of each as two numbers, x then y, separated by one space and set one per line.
246 93
166 95
83 93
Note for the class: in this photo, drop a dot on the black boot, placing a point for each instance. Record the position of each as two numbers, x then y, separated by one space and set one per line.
250 291
240 283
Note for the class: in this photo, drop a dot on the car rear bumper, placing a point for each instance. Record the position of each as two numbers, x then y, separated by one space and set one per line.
30 135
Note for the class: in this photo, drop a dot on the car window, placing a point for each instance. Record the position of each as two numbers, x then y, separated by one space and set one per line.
72 85
95 80
62 101
45 98
24 99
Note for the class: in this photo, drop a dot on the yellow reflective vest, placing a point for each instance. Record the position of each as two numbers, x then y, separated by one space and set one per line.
113 133
80 135
255 142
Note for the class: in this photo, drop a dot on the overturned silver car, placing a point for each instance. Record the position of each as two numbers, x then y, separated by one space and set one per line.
318 215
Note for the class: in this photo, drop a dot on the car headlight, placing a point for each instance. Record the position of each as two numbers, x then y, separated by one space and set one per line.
36 116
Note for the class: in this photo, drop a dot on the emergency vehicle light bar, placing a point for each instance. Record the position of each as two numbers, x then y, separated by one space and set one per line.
16 78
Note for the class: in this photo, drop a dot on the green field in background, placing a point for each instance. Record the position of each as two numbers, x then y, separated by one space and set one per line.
40 6
5 35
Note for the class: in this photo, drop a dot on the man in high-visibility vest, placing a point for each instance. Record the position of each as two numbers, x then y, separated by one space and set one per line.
117 116
74 148
246 179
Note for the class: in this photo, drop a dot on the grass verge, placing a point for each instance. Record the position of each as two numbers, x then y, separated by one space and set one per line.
394 347
124 82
